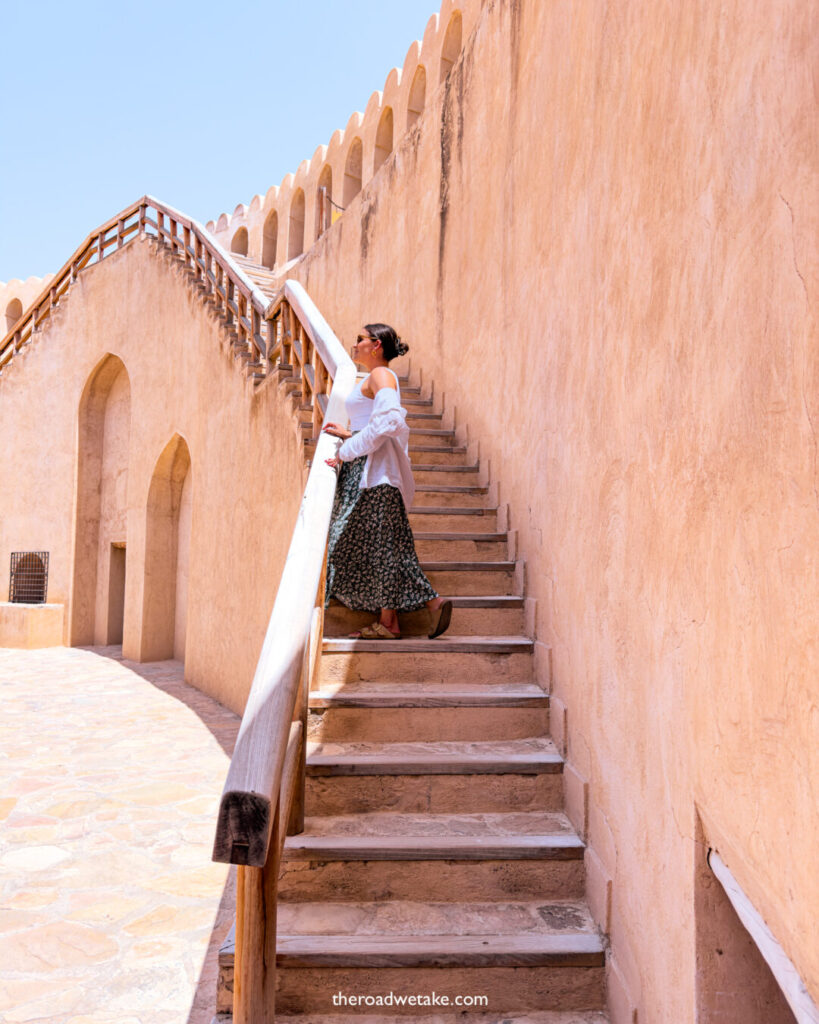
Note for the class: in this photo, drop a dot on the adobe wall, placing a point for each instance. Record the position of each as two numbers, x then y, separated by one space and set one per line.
246 466
600 242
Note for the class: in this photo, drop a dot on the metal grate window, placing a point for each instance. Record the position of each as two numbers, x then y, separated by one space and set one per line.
28 582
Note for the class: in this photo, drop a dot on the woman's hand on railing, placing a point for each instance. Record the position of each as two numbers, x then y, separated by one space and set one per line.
336 431
333 463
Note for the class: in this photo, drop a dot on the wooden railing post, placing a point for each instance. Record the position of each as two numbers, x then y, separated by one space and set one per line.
254 985
143 213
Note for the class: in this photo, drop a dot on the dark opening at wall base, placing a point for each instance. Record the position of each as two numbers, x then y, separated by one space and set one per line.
28 578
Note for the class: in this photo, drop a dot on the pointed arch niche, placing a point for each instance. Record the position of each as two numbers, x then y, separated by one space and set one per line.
98 591
452 44
383 137
417 96
167 550
270 239
352 171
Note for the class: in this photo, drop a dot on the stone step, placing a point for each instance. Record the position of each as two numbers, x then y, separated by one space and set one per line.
371 720
534 756
518 955
471 616
522 954
500 658
424 435
424 417
438 546
437 455
447 857
455 518
441 777
473 578
421 694
442 645
445 495
435 475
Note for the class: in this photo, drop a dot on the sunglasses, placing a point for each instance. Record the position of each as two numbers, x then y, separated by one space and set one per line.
365 337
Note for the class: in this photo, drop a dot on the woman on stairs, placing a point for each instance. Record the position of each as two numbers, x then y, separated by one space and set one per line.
371 559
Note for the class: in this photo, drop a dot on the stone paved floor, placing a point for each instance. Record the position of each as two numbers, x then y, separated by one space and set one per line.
111 911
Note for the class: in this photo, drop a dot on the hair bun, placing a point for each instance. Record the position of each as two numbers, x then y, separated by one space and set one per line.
402 347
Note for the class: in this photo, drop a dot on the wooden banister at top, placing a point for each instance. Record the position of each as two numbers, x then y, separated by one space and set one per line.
185 238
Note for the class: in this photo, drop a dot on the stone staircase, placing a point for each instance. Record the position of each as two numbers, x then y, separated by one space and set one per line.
436 855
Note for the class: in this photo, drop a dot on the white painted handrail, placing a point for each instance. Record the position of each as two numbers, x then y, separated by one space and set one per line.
251 791
787 977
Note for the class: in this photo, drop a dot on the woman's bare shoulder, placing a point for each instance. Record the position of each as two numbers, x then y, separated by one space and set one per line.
381 377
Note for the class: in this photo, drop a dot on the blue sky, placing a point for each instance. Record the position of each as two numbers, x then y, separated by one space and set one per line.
200 104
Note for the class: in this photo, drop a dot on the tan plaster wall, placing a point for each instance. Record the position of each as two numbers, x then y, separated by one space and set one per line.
245 452
31 625
600 242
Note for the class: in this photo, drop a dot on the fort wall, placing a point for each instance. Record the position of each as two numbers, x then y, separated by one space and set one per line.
133 332
598 237
599 240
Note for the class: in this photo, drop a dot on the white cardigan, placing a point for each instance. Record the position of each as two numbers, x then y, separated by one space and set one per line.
385 442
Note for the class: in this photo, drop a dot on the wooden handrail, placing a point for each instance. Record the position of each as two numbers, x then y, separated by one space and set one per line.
195 246
252 788
263 797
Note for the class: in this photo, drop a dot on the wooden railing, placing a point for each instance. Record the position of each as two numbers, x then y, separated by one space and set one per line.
263 798
242 306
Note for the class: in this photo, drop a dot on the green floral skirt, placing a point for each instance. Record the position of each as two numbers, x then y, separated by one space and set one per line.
371 559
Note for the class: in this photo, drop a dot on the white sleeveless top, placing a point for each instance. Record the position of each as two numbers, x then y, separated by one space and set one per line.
359 407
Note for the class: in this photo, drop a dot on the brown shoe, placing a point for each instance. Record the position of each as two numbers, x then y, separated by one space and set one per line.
444 619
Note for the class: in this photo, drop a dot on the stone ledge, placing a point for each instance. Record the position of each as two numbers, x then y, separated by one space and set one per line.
29 626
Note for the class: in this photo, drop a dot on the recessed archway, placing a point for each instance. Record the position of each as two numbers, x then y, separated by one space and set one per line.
270 239
104 428
295 246
167 544
452 44
352 171
239 242
383 137
324 200
417 96
14 310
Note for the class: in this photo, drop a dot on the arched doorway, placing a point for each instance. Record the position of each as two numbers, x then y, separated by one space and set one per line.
104 428
167 548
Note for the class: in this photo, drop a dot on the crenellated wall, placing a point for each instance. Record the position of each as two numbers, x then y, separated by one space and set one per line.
354 155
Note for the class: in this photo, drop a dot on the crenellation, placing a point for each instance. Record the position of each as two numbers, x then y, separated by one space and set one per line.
389 114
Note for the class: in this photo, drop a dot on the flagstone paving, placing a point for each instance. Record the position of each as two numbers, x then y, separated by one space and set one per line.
111 910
